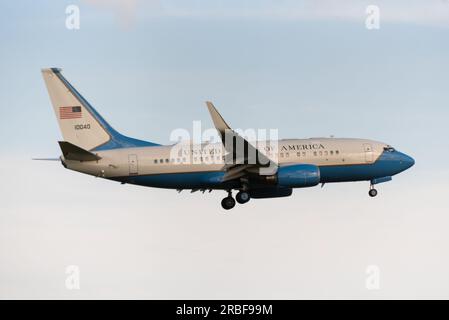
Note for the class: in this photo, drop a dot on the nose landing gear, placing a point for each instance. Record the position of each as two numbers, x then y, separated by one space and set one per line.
372 192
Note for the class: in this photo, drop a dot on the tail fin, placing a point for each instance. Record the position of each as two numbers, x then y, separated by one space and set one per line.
79 122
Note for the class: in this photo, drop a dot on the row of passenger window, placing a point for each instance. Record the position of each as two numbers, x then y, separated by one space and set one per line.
315 153
184 160
222 158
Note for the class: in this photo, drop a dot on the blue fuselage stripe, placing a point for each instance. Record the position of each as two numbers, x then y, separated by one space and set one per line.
388 164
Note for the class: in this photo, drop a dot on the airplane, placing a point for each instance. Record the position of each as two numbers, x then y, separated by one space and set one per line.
256 170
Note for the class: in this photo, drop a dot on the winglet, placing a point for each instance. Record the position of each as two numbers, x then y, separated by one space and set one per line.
218 120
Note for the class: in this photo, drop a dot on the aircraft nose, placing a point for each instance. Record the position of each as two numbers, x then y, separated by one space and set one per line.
406 161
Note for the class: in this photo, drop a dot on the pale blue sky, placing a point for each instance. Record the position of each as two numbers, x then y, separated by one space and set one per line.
308 68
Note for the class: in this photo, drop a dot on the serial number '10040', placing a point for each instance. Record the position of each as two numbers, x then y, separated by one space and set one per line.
82 126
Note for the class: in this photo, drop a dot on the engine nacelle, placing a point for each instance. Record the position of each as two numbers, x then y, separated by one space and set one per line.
298 176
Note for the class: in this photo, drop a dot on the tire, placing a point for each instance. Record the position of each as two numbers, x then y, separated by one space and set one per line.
372 193
242 197
228 203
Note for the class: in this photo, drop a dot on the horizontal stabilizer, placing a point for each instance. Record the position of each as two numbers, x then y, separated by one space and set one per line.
73 152
46 159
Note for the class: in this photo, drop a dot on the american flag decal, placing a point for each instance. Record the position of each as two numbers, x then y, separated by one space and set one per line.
70 112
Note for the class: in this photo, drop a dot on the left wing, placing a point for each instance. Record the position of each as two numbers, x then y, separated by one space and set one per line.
242 157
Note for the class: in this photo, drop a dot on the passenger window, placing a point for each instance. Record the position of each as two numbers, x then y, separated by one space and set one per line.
303 153
167 161
337 152
314 153
155 161
282 155
332 152
161 160
298 154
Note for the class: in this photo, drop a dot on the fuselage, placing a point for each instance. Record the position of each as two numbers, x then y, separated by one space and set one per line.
188 166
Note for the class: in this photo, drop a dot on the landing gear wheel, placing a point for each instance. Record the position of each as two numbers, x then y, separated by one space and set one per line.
372 192
242 197
228 203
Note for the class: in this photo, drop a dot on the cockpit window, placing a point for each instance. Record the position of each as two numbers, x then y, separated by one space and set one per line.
389 149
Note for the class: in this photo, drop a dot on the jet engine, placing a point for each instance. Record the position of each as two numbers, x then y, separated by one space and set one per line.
298 176
290 176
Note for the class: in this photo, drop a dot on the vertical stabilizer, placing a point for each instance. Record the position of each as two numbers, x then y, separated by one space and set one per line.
79 122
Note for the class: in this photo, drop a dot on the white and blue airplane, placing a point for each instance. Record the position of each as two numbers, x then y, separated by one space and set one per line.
255 169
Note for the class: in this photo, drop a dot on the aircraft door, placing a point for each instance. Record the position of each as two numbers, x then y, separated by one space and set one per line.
368 152
133 166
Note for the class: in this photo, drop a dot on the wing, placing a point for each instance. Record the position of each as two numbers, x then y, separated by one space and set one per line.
242 157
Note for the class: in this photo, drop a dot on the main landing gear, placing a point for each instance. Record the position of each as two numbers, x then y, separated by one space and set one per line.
372 192
242 197
229 202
